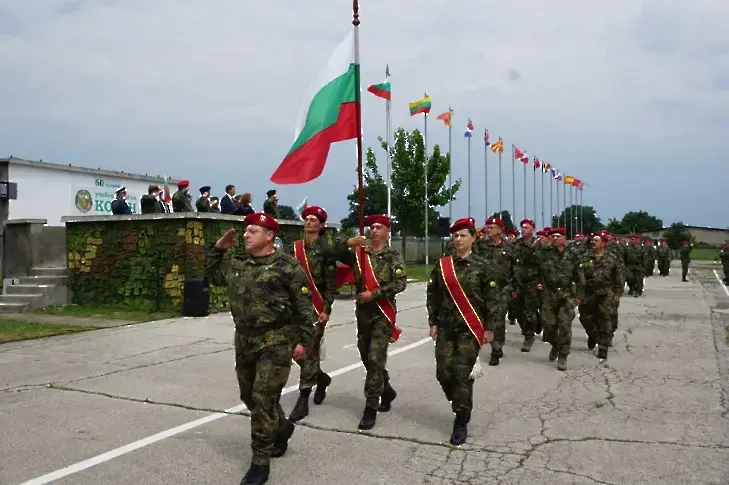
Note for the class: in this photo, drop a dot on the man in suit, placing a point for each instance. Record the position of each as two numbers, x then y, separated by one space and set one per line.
228 204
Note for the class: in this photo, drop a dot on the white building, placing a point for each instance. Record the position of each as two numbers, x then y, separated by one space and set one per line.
50 190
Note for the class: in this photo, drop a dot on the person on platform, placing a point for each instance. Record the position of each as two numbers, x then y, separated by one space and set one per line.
214 205
380 271
181 200
457 307
270 205
119 206
150 201
270 300
202 204
314 254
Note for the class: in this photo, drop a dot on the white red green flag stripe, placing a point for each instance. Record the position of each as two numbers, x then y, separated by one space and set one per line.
328 116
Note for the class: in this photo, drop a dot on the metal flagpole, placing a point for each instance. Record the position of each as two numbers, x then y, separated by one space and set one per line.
388 126
564 202
425 142
582 210
542 191
450 168
501 191
551 199
358 124
513 182
534 187
486 175
572 213
468 135
525 192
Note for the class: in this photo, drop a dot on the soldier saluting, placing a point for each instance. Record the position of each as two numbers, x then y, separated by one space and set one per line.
381 270
457 309
266 288
313 253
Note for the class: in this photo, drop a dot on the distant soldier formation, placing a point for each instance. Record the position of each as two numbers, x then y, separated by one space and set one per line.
282 300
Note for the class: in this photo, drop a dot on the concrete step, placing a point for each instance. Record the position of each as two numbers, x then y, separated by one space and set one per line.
50 271
32 300
13 307
29 289
42 280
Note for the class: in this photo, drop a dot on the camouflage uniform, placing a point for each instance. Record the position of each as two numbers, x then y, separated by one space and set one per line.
603 287
664 260
500 265
323 269
265 293
617 251
270 206
150 204
202 204
181 201
562 280
685 254
373 328
650 259
526 271
456 349
635 268
724 257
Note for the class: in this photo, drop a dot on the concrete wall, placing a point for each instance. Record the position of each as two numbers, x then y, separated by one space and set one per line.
30 243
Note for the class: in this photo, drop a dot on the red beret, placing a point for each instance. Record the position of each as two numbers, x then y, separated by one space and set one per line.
495 220
558 230
377 219
578 234
602 235
261 219
634 237
464 223
547 229
511 232
541 233
315 211
527 221
183 183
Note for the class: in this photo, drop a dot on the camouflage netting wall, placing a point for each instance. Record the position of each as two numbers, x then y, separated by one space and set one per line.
143 261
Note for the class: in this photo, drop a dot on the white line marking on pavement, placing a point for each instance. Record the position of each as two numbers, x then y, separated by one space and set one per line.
726 290
116 453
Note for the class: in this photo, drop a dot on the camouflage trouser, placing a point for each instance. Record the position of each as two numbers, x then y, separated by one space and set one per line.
663 265
513 311
634 278
262 376
309 364
456 352
373 339
527 301
684 269
597 314
650 266
614 318
726 273
557 315
498 304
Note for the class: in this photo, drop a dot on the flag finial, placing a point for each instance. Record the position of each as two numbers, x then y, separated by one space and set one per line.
387 70
355 11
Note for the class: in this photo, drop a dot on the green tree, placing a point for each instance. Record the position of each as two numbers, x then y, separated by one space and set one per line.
584 219
408 182
614 226
676 233
288 213
641 221
505 217
375 195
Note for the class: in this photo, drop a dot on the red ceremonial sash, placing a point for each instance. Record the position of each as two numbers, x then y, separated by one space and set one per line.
316 298
448 270
371 284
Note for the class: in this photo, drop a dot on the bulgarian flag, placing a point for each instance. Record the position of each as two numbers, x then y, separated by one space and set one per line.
328 116
168 197
302 206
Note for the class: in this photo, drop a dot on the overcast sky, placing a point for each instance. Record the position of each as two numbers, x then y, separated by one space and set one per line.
630 96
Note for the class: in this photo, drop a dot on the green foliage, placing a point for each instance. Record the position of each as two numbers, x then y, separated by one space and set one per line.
505 216
375 195
634 223
676 233
142 264
584 219
287 213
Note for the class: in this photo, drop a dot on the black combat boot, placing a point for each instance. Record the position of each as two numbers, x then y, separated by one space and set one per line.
369 417
281 444
495 357
388 395
562 363
591 341
323 381
528 342
460 429
553 353
301 408
256 475
602 354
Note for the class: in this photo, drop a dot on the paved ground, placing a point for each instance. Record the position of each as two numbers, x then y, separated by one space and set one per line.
133 405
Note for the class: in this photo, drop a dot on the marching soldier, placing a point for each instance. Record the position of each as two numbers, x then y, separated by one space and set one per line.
561 282
635 266
664 258
181 201
603 287
724 257
266 288
499 256
616 250
513 315
321 271
685 255
381 269
650 256
457 308
526 271
202 204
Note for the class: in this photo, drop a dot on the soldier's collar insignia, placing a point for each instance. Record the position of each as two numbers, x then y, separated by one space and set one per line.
304 290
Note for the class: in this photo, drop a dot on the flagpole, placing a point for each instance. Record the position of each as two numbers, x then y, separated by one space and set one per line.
534 187
513 183
542 192
564 202
551 199
525 192
469 173
425 142
450 167
388 123
501 191
582 210
486 179
358 112
572 213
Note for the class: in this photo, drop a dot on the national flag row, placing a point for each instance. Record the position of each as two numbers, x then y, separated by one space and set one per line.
423 106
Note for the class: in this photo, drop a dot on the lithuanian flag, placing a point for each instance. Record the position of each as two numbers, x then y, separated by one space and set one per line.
420 106
328 116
